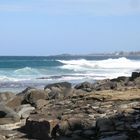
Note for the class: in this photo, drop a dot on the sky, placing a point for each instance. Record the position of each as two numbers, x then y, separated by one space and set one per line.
49 27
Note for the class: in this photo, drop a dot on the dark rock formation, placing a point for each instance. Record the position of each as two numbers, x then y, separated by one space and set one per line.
134 75
39 127
86 86
32 95
59 90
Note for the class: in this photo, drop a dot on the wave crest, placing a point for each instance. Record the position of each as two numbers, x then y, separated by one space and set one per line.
82 64
26 71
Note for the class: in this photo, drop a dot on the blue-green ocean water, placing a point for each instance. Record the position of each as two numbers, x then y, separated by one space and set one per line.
17 73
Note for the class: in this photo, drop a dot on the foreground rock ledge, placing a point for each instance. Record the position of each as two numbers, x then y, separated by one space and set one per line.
106 110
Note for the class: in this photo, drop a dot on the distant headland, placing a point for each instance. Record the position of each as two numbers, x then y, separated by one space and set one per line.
116 53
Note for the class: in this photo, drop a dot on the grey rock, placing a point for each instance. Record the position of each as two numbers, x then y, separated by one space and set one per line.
2 137
7 115
6 96
136 125
89 133
59 90
15 102
32 95
116 137
59 85
86 86
134 75
105 124
24 111
41 103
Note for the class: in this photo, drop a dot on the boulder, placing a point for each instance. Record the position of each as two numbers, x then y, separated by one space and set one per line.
105 125
24 111
59 85
7 115
62 128
32 95
28 89
134 75
71 124
6 96
40 127
59 90
15 102
105 85
2 137
137 82
120 79
89 133
41 103
86 86
116 137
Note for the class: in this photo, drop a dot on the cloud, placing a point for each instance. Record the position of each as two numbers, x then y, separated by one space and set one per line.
76 7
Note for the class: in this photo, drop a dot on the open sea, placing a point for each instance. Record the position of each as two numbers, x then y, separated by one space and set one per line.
17 73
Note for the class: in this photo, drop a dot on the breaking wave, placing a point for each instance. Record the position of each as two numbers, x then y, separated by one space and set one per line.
26 71
83 65
41 72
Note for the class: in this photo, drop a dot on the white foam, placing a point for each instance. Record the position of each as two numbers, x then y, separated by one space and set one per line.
74 70
26 71
12 79
109 63
109 68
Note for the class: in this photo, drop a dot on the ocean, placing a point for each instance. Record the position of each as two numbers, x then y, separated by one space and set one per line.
19 72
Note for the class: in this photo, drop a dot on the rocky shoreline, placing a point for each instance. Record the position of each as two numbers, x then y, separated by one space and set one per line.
105 110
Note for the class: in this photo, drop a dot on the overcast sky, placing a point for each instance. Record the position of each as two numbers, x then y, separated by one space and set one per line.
46 27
